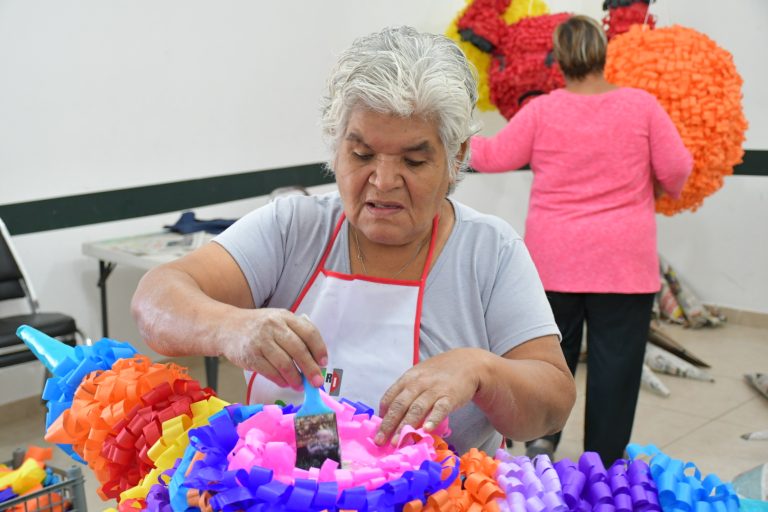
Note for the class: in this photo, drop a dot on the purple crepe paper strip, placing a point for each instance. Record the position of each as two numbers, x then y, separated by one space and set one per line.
680 484
531 485
7 494
624 487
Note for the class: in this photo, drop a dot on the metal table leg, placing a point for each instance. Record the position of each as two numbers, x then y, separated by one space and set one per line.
105 269
212 372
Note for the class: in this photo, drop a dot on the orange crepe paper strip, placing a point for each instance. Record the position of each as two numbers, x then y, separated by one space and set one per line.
478 492
696 82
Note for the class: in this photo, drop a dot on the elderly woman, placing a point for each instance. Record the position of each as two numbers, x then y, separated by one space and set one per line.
597 151
387 291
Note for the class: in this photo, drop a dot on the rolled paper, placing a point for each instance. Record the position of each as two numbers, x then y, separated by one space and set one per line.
651 382
660 360
760 435
759 381
680 485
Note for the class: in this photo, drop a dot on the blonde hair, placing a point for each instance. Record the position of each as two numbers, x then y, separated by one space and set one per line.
580 46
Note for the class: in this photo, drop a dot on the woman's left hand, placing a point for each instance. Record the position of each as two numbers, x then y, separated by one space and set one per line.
428 392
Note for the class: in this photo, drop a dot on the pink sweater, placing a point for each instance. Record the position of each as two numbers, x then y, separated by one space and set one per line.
591 225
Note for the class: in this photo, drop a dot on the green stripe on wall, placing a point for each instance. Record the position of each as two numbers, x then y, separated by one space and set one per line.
71 211
80 210
755 163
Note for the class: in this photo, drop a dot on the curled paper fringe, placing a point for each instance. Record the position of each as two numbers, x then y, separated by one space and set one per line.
107 401
624 487
680 485
173 442
116 413
60 388
235 487
476 489
130 448
529 484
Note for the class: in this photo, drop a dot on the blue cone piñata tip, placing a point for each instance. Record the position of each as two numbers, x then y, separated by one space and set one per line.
50 351
68 367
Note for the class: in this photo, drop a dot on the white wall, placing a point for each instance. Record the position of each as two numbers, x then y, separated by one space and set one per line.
101 95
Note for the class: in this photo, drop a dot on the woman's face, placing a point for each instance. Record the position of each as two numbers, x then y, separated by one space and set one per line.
392 176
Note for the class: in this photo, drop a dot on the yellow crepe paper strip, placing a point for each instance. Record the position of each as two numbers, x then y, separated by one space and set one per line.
23 479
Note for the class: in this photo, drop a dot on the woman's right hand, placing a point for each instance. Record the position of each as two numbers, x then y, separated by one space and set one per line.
276 344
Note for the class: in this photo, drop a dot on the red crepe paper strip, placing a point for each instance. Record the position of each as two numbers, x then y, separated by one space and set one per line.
126 448
483 18
523 66
621 17
464 35
698 85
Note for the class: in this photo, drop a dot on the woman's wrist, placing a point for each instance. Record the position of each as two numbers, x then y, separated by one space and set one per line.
484 369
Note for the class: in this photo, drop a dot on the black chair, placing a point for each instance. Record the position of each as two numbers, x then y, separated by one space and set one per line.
14 284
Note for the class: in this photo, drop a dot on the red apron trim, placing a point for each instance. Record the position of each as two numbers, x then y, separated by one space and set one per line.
320 265
248 391
422 286
421 283
379 280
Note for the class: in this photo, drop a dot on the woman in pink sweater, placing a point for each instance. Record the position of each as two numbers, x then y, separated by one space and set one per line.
598 154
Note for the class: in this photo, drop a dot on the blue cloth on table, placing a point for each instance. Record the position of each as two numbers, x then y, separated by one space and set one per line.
188 223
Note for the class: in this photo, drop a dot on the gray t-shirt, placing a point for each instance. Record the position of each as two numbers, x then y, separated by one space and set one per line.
483 290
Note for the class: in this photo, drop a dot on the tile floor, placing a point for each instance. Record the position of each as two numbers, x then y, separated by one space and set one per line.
700 422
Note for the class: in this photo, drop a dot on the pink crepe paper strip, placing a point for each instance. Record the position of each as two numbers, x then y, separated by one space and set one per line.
268 439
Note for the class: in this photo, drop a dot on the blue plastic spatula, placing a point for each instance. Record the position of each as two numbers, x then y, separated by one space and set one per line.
317 437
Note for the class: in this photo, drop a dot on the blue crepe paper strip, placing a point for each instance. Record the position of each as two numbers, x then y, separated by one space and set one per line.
257 490
681 487
748 505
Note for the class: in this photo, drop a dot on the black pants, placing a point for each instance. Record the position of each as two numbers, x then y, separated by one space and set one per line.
617 331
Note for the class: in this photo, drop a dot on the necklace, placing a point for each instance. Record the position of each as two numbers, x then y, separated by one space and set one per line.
361 257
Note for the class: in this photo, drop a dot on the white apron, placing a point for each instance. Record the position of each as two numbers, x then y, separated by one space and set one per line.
370 326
